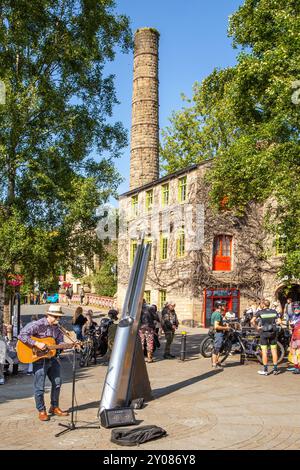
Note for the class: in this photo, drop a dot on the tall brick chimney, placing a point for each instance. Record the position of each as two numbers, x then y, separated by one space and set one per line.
144 153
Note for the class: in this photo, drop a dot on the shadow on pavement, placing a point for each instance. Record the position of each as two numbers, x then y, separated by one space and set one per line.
161 392
21 386
86 406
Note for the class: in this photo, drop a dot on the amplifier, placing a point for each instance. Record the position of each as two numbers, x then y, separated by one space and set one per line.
117 417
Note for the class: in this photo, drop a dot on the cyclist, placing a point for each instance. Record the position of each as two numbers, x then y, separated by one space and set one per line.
217 319
90 326
266 319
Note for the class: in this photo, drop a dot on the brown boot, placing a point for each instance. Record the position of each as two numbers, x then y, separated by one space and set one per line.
57 411
43 416
150 357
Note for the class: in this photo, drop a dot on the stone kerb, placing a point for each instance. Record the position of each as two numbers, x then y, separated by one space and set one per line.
92 300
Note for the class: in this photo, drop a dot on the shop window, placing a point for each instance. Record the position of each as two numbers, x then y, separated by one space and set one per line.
222 253
229 296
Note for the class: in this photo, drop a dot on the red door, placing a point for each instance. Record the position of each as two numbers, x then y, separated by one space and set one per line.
230 297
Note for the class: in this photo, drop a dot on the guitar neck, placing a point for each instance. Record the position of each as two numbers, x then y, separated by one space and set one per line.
60 346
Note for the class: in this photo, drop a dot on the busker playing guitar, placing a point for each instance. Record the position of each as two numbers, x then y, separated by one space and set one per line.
46 327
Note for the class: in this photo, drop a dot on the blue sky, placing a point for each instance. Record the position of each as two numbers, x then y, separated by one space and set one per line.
193 41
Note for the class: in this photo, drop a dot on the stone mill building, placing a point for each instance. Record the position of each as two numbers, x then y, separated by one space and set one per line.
197 256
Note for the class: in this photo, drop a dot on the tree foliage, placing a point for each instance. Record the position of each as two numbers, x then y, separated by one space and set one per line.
57 137
104 279
247 118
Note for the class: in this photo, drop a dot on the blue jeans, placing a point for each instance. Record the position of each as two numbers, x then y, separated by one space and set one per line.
78 331
41 369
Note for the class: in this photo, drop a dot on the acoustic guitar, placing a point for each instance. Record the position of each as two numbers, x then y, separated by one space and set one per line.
28 354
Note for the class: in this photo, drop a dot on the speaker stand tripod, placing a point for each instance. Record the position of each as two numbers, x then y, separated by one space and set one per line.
72 425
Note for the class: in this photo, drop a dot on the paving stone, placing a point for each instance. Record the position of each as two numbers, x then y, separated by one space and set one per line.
199 409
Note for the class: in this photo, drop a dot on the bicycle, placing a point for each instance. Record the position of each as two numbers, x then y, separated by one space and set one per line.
244 342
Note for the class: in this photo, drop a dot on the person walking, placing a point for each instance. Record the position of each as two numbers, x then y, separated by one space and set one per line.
112 329
288 310
3 353
78 321
82 295
157 326
266 321
44 297
147 329
69 295
43 328
217 322
169 323
38 298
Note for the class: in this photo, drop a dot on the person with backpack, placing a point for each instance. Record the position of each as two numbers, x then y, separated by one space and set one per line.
147 328
169 324
157 325
108 329
90 325
78 321
112 329
266 320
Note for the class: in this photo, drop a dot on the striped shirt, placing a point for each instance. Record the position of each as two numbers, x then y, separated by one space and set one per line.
40 329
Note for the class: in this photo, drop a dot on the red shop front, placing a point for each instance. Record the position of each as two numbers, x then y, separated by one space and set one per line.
230 297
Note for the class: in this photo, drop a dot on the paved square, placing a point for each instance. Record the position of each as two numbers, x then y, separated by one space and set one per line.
199 408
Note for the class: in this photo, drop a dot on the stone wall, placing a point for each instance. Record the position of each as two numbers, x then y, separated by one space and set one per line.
184 279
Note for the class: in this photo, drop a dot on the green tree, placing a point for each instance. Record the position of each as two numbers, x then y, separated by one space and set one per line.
57 137
105 277
247 119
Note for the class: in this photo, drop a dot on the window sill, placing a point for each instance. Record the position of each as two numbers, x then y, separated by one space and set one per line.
221 272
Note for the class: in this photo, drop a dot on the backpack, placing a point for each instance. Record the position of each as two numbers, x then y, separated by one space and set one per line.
137 436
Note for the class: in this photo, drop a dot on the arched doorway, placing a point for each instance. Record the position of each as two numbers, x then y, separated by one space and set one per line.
283 293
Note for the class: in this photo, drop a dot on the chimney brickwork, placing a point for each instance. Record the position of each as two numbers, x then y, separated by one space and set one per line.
144 154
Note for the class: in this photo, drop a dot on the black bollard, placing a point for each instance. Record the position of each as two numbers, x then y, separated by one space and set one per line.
183 346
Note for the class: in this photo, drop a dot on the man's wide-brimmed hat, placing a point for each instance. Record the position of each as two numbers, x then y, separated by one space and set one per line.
55 310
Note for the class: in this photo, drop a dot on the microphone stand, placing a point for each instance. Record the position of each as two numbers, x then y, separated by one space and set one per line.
72 425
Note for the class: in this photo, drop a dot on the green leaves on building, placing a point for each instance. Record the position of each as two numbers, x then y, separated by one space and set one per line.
247 119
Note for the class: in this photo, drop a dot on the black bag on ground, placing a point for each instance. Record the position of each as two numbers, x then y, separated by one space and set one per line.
137 436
